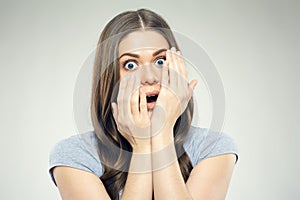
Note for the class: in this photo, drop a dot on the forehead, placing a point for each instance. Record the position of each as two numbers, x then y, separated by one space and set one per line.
139 40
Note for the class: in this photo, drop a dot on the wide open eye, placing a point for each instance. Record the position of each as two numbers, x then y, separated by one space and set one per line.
160 61
130 65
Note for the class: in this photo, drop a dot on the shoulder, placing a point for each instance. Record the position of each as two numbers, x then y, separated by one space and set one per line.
203 143
78 151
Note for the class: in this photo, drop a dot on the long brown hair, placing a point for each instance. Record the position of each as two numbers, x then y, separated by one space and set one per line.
105 78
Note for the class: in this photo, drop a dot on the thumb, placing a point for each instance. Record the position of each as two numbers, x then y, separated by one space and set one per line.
193 84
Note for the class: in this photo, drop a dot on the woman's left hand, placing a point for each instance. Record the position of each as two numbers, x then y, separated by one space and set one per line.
175 92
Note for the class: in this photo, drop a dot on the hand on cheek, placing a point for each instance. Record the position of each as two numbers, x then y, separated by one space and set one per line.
130 113
175 91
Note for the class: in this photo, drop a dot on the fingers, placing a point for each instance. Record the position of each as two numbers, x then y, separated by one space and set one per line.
132 102
172 69
165 75
124 97
175 59
128 96
177 67
178 72
181 68
143 104
121 95
135 97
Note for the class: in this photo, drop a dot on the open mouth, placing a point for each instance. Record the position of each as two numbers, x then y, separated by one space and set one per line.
151 98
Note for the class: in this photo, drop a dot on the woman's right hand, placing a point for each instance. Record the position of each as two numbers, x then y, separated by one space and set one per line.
131 114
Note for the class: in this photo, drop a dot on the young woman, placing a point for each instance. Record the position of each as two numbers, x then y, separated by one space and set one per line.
143 145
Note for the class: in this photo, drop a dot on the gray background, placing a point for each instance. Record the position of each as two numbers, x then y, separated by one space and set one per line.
254 45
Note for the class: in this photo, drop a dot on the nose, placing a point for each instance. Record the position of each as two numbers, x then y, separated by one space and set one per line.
149 75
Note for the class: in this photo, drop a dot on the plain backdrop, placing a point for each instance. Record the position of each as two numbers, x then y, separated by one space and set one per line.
255 46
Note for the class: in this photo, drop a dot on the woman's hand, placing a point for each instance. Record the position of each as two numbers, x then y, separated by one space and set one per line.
175 92
131 115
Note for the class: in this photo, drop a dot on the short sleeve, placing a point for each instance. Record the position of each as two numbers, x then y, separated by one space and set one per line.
203 143
78 151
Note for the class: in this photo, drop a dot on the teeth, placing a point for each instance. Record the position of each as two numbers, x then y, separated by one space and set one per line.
151 98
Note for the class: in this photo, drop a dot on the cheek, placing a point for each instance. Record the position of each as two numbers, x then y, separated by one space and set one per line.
122 72
160 74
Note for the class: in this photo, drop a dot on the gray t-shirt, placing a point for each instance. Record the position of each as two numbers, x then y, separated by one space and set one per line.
81 151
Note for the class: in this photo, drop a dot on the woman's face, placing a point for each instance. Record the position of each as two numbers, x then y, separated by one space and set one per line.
144 53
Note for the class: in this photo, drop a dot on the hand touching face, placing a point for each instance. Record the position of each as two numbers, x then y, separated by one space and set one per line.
152 77
175 91
144 53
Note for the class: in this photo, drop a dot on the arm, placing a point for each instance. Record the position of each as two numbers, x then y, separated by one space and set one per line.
76 184
139 180
211 177
209 180
168 182
133 122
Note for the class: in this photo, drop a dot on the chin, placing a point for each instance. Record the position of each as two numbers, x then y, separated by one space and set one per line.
150 113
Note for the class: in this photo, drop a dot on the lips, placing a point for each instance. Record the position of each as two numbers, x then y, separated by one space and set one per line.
151 98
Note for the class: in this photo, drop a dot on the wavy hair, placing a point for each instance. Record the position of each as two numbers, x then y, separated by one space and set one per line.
105 78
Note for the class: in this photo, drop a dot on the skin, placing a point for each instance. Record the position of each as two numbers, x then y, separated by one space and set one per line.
147 134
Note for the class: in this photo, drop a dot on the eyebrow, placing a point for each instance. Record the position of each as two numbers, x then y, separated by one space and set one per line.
137 56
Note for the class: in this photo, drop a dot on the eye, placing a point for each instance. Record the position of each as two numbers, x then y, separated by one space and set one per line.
130 65
160 61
